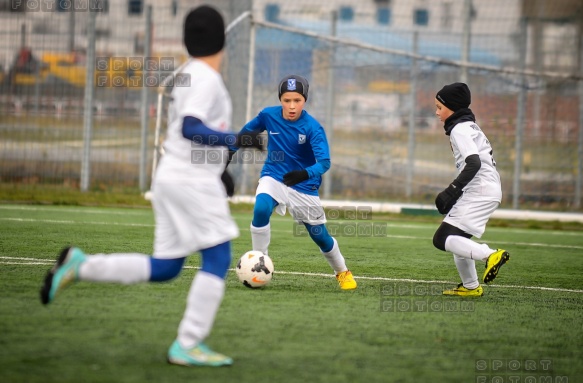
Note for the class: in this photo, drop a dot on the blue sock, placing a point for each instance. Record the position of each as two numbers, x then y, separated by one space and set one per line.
165 269
320 235
264 205
216 260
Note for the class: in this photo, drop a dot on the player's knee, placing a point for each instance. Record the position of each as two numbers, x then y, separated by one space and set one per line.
439 240
441 235
216 260
444 231
262 210
165 269
320 236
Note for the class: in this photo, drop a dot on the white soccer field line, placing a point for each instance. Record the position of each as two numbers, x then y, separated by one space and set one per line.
84 210
146 211
70 222
34 261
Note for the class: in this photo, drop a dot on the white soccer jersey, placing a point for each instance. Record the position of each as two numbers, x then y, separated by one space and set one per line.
467 138
207 99
189 199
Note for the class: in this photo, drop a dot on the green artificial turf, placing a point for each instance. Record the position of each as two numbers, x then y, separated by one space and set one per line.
396 327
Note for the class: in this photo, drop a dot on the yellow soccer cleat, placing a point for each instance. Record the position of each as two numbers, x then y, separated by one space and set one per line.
346 280
493 264
461 291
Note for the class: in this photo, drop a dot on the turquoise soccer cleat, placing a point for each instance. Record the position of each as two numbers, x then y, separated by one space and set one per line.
62 274
201 355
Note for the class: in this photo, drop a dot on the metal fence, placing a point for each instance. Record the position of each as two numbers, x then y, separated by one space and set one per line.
374 70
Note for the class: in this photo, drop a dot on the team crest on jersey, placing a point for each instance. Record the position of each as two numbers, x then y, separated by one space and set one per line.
291 84
301 139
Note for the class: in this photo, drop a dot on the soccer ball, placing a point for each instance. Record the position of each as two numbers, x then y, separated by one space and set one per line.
255 269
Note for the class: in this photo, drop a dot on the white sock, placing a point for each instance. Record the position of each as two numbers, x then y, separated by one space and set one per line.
465 247
335 258
467 271
260 237
203 301
119 268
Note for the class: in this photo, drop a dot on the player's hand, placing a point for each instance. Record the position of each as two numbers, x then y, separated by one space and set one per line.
228 182
447 198
295 177
250 140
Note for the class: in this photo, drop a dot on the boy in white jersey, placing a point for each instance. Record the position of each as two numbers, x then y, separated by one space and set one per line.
190 206
472 197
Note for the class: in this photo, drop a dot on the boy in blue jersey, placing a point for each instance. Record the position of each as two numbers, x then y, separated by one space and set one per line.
297 156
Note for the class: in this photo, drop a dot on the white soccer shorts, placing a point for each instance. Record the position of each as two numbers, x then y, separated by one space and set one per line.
190 217
471 215
303 208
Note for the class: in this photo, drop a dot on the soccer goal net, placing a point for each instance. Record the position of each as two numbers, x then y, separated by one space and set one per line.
373 90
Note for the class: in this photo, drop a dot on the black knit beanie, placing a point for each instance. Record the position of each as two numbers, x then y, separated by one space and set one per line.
204 31
455 96
294 83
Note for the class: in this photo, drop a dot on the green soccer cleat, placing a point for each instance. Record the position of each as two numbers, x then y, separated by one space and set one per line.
62 274
461 291
201 355
493 264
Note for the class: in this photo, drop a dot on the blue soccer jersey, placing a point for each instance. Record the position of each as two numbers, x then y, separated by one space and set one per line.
293 145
